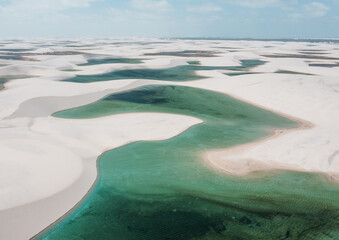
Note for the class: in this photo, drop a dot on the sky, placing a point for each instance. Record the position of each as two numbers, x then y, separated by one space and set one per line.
170 18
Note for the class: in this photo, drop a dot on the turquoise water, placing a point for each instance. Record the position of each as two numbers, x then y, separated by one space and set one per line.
239 73
291 72
163 189
185 53
193 62
70 70
2 82
95 61
179 73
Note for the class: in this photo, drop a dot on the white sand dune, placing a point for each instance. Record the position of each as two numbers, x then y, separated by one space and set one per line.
52 149
314 99
44 161
47 155
47 164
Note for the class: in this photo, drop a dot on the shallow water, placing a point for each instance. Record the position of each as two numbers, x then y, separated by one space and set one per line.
2 82
231 74
179 73
185 53
95 61
71 70
163 190
12 57
7 78
291 72
193 62
16 49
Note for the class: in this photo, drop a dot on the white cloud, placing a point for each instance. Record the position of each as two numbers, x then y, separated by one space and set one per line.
256 3
25 8
208 7
50 5
313 10
316 9
152 5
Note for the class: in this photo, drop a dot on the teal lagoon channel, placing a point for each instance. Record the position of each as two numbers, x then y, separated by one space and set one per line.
164 190
176 74
97 61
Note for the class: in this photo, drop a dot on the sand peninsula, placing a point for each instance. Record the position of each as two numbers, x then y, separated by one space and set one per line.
48 164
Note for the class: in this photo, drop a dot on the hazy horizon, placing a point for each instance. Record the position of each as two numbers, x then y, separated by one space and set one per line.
257 19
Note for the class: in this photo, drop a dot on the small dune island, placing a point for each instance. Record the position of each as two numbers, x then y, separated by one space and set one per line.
169 139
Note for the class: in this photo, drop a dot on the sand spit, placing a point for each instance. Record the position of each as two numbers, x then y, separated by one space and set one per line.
231 161
312 99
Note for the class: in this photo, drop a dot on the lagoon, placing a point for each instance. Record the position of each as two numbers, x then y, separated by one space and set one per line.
164 190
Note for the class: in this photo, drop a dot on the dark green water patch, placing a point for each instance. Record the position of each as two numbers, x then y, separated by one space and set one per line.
193 62
328 65
251 63
291 72
239 73
16 49
163 190
7 78
193 216
179 73
185 53
66 42
174 99
111 60
61 53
